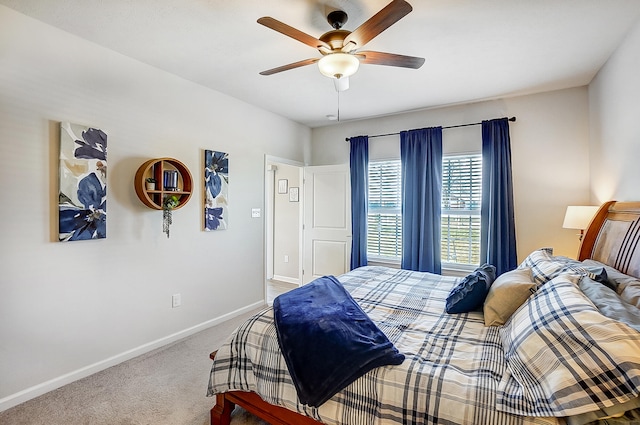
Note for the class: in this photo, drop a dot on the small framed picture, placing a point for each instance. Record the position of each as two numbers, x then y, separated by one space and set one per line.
283 185
293 194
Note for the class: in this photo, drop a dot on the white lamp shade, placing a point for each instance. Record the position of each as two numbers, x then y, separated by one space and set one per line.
578 217
338 65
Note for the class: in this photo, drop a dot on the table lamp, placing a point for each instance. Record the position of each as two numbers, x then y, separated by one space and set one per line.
579 217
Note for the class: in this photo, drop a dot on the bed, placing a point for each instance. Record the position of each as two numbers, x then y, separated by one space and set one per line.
560 357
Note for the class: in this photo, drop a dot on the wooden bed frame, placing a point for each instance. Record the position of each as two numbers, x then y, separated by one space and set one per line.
613 238
251 402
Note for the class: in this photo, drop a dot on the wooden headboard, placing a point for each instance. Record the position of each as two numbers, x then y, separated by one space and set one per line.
613 237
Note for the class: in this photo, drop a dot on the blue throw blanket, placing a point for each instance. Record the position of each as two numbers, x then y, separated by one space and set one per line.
327 340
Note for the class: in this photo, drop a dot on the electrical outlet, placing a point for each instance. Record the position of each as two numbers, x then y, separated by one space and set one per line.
286 258
176 300
255 212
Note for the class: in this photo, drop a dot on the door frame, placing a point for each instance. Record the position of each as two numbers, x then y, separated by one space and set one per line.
269 193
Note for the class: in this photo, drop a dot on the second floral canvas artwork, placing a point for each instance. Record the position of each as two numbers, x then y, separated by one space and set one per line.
216 190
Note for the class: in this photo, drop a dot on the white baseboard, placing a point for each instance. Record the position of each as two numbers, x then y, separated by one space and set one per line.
286 279
52 384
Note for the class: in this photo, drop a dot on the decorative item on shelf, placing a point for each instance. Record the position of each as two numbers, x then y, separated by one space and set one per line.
169 203
579 217
170 180
150 183
163 197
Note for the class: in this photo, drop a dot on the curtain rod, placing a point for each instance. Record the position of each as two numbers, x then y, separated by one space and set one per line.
512 119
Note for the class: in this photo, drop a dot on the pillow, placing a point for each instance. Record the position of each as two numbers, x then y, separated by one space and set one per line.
542 265
509 291
593 272
631 294
545 266
627 286
564 357
610 304
470 293
614 274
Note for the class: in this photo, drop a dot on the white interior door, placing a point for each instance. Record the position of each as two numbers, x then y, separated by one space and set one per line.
327 221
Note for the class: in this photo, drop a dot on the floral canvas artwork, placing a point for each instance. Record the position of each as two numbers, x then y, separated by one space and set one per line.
216 190
82 193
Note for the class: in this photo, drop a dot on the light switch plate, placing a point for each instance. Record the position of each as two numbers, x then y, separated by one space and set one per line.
255 212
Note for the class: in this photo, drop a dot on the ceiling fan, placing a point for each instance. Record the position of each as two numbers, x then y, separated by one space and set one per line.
341 56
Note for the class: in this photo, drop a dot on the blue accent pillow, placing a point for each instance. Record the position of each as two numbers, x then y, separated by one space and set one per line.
470 293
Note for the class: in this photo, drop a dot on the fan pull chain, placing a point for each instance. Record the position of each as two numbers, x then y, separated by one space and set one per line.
338 106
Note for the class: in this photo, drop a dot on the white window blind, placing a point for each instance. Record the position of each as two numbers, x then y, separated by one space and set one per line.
461 201
384 216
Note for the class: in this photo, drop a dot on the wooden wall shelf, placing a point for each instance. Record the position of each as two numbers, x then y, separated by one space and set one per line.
155 168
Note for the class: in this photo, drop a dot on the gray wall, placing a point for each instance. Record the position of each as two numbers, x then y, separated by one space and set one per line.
550 155
70 309
614 100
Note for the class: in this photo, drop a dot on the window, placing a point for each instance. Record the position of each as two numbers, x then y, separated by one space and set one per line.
461 199
384 216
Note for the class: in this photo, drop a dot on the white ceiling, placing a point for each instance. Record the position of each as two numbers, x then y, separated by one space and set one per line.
474 49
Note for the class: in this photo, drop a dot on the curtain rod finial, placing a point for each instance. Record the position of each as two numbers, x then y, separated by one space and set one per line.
512 119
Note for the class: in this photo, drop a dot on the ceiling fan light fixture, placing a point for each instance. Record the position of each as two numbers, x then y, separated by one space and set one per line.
338 65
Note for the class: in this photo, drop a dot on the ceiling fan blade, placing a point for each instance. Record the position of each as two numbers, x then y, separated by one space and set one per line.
290 31
289 66
389 59
379 22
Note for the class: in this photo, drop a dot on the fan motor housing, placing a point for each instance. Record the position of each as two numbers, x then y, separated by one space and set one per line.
335 38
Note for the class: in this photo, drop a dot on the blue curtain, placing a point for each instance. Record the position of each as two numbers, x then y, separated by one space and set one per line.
421 160
359 164
498 234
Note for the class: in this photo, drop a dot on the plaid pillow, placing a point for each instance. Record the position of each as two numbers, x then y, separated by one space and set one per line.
564 357
545 266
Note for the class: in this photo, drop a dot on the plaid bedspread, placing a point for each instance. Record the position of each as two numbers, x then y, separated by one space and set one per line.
450 376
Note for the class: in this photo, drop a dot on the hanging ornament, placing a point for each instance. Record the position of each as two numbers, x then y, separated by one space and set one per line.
170 202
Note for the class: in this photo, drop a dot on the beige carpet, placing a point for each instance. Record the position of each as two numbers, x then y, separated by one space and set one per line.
165 386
